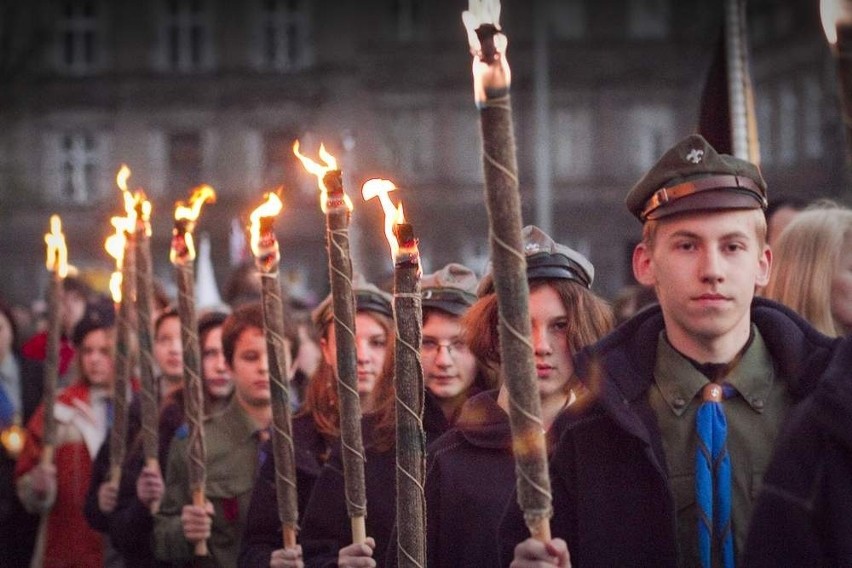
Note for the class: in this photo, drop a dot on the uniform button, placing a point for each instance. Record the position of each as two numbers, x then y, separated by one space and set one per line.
679 402
758 403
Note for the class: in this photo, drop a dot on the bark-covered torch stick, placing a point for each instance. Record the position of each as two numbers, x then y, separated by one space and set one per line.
492 79
149 395
408 374
182 255
57 265
267 257
120 248
337 208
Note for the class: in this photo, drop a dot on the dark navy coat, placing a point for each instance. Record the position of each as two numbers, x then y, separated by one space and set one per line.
611 498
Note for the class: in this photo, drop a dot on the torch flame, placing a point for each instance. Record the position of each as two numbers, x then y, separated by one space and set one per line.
393 215
834 14
828 13
269 208
57 252
200 195
115 286
319 171
115 245
189 213
13 438
129 201
490 67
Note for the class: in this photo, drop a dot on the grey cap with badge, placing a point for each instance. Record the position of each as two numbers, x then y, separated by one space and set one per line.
548 259
692 176
451 289
368 297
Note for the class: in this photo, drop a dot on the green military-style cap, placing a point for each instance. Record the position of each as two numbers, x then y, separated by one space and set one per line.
692 176
548 259
368 297
451 289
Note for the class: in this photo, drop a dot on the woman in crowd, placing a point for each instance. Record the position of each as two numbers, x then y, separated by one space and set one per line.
450 371
218 384
812 267
20 395
472 464
316 429
124 512
82 415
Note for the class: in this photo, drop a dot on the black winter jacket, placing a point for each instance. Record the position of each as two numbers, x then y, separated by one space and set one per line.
611 498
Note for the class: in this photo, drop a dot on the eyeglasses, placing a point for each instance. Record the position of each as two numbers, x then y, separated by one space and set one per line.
433 346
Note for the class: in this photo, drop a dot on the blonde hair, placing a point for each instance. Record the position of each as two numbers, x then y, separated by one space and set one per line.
649 229
805 259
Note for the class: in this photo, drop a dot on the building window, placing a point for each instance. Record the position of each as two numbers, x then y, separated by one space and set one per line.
571 135
185 161
78 41
568 19
279 164
409 19
648 19
653 129
284 34
185 38
78 164
412 140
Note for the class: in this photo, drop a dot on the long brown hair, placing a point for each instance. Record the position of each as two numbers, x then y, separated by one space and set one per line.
590 318
321 394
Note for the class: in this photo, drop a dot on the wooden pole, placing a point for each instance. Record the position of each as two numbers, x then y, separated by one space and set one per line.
145 328
343 301
410 437
492 82
193 392
278 350
744 138
123 364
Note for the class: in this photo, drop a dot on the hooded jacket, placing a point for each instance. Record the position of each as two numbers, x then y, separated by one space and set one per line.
611 497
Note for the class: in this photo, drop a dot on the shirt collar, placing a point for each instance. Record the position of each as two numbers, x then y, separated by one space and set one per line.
679 381
238 416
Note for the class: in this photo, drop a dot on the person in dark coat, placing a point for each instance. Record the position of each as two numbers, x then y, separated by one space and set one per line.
21 384
316 428
802 516
451 373
471 470
124 512
623 470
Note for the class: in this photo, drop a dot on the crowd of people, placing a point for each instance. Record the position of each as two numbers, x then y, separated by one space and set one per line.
704 418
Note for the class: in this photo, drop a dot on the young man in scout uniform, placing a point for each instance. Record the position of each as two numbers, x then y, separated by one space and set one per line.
636 477
233 439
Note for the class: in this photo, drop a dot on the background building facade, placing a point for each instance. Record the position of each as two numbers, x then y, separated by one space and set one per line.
210 91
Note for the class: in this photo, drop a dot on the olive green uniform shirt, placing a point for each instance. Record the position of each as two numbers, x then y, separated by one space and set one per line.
232 457
754 416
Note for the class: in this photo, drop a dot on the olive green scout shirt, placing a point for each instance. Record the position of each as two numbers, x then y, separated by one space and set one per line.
232 456
754 417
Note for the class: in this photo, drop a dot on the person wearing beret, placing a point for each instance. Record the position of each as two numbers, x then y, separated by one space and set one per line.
688 397
470 469
233 440
316 436
451 372
58 489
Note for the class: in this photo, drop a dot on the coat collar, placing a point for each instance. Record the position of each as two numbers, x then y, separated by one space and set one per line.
618 370
484 424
